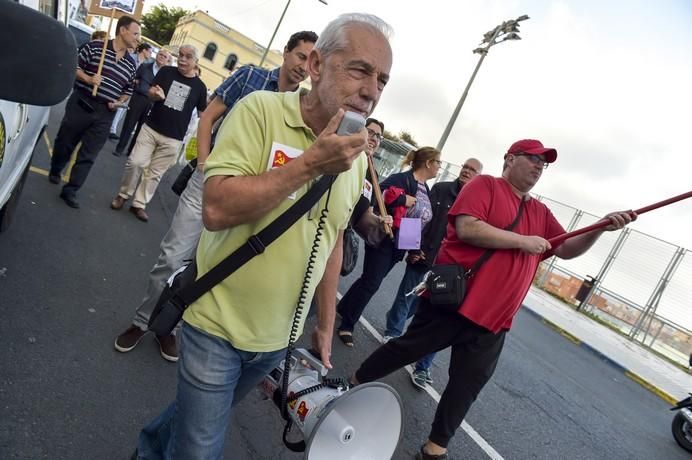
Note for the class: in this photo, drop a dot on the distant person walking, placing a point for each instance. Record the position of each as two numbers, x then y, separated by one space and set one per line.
405 195
442 197
88 118
143 55
176 92
140 104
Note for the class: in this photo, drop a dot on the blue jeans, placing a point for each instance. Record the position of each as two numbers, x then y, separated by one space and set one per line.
212 377
404 307
425 362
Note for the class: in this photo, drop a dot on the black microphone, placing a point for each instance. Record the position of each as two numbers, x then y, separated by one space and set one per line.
39 58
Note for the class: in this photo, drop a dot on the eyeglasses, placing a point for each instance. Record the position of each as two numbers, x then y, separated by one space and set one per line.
535 159
470 168
439 162
375 134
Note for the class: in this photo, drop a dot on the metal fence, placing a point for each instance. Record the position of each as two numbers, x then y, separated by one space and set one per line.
632 282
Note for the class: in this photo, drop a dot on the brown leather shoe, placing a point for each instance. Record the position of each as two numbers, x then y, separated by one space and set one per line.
139 214
118 203
129 339
167 347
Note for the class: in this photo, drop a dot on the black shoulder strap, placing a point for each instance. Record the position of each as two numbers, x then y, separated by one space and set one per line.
486 255
256 244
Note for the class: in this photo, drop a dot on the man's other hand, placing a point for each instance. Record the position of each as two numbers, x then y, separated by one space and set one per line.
534 244
158 92
95 80
619 219
322 343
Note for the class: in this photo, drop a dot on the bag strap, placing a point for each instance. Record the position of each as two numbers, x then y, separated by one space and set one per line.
257 243
486 255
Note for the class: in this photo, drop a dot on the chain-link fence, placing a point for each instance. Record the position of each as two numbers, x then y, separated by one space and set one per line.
632 282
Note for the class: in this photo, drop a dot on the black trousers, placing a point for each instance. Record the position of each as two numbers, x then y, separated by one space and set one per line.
475 353
85 120
376 264
138 108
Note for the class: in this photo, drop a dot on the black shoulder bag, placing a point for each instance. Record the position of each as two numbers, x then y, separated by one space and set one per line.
182 289
184 177
350 256
447 283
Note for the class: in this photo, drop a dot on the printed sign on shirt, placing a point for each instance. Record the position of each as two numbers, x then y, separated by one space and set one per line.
177 95
280 155
367 189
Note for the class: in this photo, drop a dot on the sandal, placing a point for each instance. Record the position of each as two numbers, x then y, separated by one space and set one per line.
346 337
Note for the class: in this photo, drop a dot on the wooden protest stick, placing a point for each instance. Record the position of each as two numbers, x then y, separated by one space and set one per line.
103 51
558 240
378 195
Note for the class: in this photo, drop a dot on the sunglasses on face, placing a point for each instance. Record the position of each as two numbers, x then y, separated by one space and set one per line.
535 159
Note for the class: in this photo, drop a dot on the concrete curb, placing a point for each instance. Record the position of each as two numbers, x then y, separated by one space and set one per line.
631 375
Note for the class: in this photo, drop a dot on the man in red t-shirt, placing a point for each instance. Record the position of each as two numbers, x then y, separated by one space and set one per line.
476 330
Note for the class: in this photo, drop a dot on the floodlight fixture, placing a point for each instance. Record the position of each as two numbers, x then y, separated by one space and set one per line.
508 30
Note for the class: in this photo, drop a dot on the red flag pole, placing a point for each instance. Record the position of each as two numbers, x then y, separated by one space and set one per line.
558 240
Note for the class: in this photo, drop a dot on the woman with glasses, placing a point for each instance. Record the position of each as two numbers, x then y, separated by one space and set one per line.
405 195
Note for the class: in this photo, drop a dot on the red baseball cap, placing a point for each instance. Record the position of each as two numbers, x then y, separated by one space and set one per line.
533 147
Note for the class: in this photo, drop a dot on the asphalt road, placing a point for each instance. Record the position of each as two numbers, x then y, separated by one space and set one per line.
69 283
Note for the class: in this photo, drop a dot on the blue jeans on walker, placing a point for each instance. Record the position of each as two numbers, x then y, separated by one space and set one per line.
404 306
212 377
424 363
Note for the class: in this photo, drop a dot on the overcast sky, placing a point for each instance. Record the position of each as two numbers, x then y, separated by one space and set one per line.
606 83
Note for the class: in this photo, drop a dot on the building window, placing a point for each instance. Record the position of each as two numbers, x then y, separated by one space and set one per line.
231 61
210 51
48 7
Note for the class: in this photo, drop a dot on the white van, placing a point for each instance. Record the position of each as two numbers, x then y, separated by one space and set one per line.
21 127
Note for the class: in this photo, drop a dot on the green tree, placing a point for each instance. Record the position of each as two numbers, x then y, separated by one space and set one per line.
406 137
159 23
389 136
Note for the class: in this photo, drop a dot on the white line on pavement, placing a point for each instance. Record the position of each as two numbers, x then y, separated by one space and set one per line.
473 434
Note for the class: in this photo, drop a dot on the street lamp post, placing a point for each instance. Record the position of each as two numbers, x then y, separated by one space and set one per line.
508 30
276 29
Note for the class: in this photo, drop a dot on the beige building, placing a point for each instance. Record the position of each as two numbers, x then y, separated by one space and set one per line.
220 47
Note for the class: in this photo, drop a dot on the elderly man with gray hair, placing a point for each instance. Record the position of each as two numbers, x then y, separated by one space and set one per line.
176 91
268 153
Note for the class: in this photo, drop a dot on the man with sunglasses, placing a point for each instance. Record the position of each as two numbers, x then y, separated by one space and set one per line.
476 329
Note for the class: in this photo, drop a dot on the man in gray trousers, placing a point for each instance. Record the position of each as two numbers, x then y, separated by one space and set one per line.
183 235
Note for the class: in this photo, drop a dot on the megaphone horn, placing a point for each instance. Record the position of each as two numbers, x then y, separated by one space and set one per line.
338 422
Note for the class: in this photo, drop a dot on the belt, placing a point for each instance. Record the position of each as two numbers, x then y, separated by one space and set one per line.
87 95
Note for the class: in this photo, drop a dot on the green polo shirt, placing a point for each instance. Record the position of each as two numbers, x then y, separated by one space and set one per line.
253 308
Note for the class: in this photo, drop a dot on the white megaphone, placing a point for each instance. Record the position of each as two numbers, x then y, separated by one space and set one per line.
338 423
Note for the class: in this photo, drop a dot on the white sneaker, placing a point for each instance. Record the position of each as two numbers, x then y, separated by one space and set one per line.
387 338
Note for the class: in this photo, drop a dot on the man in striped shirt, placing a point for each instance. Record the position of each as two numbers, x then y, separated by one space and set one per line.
88 118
